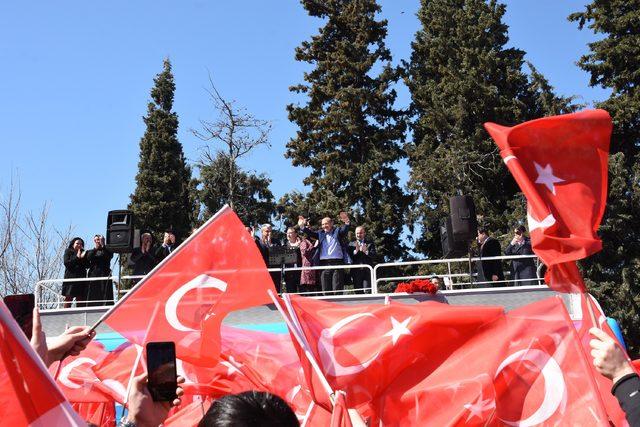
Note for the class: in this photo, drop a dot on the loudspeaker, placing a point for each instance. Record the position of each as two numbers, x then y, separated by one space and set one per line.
464 224
451 248
120 231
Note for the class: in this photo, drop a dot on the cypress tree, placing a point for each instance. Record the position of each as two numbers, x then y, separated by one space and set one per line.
460 75
614 63
162 198
349 133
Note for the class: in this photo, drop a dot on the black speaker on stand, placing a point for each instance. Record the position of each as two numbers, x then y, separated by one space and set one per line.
450 248
464 223
120 231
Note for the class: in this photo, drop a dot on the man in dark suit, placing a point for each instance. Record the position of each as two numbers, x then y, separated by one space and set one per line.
168 245
265 243
523 268
362 251
489 270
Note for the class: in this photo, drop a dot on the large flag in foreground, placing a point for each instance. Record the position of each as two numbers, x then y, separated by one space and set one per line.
218 269
524 369
28 395
560 164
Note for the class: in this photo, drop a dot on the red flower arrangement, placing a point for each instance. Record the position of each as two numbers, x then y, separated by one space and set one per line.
418 285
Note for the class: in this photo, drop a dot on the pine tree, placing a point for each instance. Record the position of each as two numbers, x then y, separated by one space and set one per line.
162 198
253 200
349 133
460 75
614 63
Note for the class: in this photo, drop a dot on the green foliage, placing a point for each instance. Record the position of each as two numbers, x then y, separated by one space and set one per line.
162 197
461 75
613 62
253 201
349 133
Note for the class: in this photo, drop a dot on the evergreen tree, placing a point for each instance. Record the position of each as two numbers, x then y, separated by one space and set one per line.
614 63
162 198
349 133
461 75
253 200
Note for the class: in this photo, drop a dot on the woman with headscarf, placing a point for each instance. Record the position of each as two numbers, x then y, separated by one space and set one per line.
75 267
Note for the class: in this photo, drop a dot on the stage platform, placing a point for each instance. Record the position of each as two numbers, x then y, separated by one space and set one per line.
267 317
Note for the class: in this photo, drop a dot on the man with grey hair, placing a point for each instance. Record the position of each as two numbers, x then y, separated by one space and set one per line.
333 250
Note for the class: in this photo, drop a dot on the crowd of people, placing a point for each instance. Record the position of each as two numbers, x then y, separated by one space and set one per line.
326 247
96 262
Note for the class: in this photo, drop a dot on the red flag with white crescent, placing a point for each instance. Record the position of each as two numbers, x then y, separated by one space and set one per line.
28 394
218 269
560 164
526 368
361 349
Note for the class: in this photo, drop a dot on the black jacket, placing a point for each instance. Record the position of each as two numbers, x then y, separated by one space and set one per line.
99 262
522 268
627 391
74 267
489 268
361 257
142 263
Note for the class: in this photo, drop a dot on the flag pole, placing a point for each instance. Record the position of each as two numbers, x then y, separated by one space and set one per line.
157 267
303 344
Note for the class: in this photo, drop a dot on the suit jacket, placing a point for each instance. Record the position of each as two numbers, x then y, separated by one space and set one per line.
522 268
361 257
264 249
343 231
489 268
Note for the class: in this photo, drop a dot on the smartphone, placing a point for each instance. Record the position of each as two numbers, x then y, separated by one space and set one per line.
21 308
161 369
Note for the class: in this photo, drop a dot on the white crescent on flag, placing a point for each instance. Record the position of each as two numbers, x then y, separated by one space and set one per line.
203 281
326 349
66 370
555 388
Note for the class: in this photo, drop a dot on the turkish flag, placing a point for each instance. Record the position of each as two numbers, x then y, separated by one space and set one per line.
114 371
583 324
28 394
102 414
525 368
361 349
218 269
76 378
560 164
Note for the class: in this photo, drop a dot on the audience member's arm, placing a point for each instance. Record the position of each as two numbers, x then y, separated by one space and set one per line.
611 361
143 410
70 343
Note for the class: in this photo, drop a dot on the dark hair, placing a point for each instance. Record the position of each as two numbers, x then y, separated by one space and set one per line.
248 409
73 241
483 230
520 229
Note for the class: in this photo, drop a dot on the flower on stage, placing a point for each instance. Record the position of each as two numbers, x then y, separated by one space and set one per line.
418 285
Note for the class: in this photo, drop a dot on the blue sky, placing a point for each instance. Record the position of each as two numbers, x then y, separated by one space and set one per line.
75 79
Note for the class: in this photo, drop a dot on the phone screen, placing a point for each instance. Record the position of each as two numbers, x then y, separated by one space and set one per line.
21 308
161 367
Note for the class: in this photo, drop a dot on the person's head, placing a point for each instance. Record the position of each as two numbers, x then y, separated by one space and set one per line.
146 238
169 236
98 241
483 234
360 232
76 244
436 281
519 230
292 234
327 224
266 230
249 230
248 409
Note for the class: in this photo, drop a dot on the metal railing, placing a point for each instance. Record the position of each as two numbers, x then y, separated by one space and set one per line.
458 274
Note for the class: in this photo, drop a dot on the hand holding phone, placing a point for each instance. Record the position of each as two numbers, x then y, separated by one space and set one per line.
161 369
21 308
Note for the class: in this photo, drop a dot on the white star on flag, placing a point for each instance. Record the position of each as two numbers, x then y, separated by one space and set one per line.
479 406
398 329
546 177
